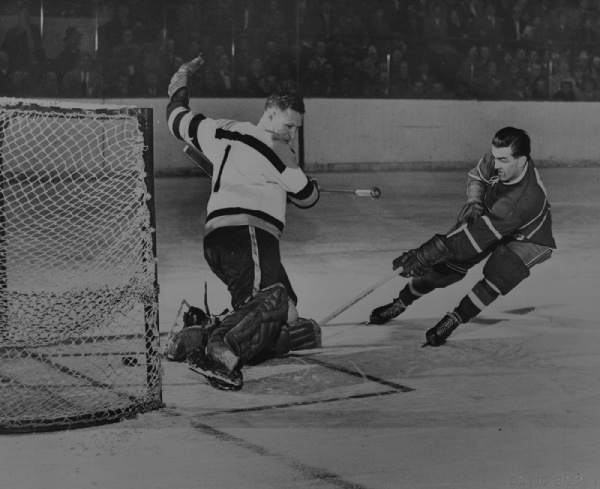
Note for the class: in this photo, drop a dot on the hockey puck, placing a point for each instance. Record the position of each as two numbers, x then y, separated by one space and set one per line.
129 361
375 192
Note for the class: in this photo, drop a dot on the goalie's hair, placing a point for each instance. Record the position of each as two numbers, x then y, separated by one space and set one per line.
286 99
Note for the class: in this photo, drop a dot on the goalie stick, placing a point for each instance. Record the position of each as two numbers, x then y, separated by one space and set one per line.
360 296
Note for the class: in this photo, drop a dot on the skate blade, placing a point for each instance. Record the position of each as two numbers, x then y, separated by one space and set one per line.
224 382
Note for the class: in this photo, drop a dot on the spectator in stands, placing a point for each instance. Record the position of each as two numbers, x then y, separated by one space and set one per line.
536 34
416 91
370 63
424 75
587 35
589 92
125 59
350 24
560 33
489 85
256 78
47 86
402 80
241 88
83 80
412 26
566 93
111 33
322 21
272 56
120 86
346 88
66 60
563 72
539 89
515 27
224 76
7 88
468 70
519 90
23 43
459 31
594 70
489 26
435 30
462 91
20 81
273 19
378 24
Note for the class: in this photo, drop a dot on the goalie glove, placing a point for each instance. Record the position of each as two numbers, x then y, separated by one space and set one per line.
417 262
180 78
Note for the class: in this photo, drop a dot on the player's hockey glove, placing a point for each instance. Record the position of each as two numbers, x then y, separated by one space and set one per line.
470 212
417 262
180 78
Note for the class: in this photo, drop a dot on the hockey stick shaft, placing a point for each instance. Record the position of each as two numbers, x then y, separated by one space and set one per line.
373 192
359 297
199 159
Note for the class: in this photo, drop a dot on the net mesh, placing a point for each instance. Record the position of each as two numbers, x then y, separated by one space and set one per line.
78 299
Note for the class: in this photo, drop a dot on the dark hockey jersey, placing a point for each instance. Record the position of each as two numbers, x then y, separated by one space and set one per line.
519 209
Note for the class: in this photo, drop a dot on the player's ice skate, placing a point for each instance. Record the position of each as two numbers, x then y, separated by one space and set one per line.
217 375
438 335
383 314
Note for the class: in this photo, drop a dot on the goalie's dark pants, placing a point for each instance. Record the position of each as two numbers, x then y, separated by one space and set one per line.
246 259
508 264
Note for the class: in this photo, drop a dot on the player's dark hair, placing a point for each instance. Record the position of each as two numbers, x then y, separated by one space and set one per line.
515 139
284 100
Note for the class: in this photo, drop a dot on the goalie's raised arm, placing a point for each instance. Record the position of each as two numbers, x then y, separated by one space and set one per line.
181 77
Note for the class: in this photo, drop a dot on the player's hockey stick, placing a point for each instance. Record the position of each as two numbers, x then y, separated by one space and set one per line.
361 192
206 166
360 296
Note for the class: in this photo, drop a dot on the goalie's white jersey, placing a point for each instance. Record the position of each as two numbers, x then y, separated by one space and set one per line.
254 171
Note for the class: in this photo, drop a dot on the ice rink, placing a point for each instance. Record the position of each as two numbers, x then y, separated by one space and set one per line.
511 400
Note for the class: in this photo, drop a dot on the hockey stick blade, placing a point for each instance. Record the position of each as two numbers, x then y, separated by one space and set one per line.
360 296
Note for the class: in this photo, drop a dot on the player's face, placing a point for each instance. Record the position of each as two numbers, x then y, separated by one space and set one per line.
285 123
507 166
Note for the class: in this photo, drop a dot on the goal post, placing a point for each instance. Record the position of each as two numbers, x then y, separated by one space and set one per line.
79 324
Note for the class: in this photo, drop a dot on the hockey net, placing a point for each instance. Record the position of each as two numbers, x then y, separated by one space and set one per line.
79 340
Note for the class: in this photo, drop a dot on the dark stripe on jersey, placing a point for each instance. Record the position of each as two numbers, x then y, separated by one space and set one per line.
177 123
193 129
232 211
255 144
305 193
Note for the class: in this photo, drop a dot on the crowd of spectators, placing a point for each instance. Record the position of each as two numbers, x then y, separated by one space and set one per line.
412 49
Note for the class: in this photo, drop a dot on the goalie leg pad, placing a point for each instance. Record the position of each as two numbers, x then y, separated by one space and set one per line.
254 327
304 334
505 270
185 342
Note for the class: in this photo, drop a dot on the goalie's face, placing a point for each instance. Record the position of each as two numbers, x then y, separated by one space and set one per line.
284 123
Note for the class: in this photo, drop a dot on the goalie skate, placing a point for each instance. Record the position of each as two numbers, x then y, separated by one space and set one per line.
217 375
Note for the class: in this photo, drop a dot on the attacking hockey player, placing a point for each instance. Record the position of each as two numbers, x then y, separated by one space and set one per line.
255 173
506 219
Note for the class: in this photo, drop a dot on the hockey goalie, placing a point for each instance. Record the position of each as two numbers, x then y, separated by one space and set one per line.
218 347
